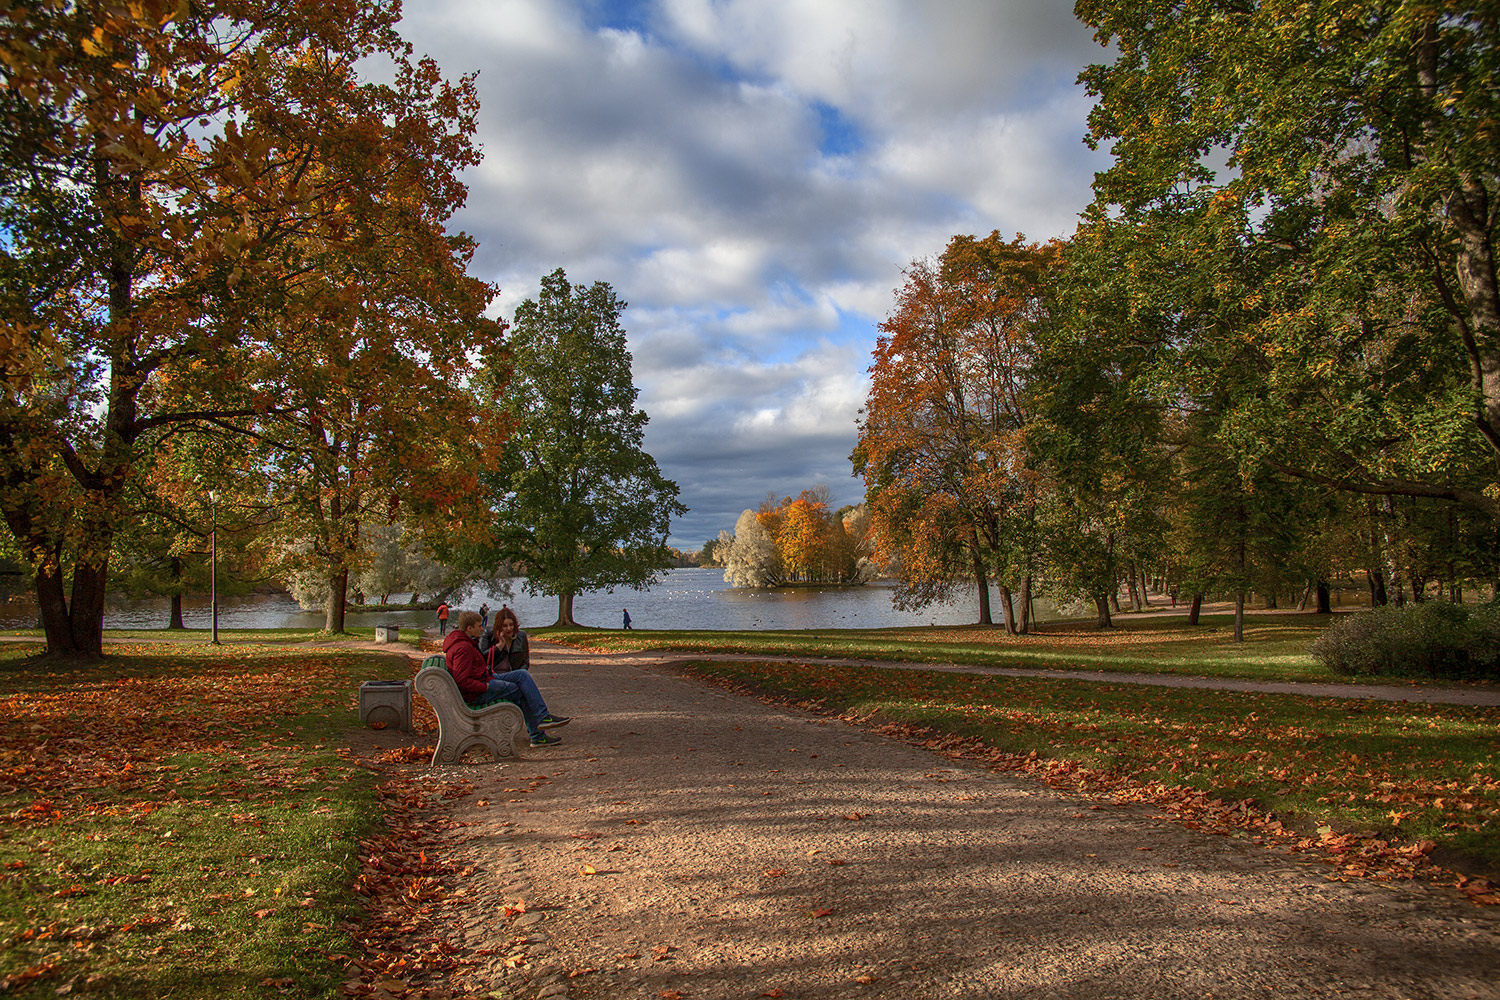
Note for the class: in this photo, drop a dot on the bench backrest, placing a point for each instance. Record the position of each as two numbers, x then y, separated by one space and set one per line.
438 686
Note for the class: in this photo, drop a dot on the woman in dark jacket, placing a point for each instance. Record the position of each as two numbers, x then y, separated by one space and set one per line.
511 649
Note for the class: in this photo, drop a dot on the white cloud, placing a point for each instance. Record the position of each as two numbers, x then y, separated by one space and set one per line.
675 153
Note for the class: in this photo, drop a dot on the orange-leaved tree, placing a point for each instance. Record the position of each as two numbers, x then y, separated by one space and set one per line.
942 444
168 175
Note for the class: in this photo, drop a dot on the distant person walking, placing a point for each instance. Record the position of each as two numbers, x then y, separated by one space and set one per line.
626 612
443 618
484 614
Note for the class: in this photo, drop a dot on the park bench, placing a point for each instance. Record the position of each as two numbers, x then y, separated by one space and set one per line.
497 724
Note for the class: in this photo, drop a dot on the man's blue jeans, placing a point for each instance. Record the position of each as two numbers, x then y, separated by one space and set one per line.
517 686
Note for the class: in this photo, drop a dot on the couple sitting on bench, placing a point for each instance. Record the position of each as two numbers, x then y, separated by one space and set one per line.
478 682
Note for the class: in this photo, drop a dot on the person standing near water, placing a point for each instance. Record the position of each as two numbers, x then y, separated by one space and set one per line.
626 612
442 613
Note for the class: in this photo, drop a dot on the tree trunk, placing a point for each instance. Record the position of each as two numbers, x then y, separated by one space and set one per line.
1145 592
1194 609
1469 216
1007 608
1101 604
1418 587
1324 607
1378 598
1271 602
1130 584
338 596
1307 593
565 611
1239 615
1026 623
174 613
982 581
1394 589
52 609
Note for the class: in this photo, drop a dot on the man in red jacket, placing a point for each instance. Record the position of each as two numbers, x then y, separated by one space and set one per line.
478 683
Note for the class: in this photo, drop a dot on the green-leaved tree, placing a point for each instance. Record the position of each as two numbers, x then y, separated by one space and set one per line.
577 503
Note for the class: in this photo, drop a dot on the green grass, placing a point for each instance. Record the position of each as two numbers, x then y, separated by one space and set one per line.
1395 770
177 822
1276 647
226 635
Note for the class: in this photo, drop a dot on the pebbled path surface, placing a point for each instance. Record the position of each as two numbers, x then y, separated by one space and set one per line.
685 842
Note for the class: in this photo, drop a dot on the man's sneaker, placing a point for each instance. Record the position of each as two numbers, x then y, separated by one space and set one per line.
550 721
545 740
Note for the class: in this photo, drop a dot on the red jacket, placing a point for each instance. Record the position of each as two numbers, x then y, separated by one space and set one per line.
467 666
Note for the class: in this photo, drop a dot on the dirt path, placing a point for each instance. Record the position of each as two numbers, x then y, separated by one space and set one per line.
1430 693
687 842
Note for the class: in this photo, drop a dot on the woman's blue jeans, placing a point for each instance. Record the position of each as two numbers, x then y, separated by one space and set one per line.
517 686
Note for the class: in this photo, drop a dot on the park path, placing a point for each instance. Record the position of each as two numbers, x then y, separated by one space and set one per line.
687 842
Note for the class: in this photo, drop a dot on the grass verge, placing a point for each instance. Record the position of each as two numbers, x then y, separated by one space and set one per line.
180 821
188 636
1276 647
1381 779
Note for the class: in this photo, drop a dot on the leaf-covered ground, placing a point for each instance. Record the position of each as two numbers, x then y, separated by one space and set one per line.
189 821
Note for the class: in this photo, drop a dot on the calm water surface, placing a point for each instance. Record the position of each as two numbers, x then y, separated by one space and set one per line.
683 599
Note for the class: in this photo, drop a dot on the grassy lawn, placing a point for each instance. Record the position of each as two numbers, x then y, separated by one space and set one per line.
1396 773
226 635
179 821
1276 647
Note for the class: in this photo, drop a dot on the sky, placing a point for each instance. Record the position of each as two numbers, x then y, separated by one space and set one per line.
752 176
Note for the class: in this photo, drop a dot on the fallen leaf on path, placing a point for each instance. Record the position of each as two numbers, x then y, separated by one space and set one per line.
775 872
588 870
660 952
822 911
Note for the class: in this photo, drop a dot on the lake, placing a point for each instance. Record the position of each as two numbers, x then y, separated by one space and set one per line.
691 598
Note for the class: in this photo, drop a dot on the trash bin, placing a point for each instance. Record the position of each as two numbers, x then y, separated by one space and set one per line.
387 703
387 633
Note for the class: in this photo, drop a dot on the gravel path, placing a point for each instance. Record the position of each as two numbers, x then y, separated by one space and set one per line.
687 842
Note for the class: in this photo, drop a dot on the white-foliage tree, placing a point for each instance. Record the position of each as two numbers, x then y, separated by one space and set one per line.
752 560
857 528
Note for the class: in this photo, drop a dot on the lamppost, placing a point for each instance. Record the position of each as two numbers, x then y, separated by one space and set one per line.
213 567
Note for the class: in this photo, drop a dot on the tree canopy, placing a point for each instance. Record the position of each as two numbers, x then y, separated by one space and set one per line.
182 187
577 502
1307 200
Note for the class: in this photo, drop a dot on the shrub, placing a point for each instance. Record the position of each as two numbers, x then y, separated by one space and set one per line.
1430 639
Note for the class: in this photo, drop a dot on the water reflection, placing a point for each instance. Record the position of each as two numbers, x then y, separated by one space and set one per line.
684 599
